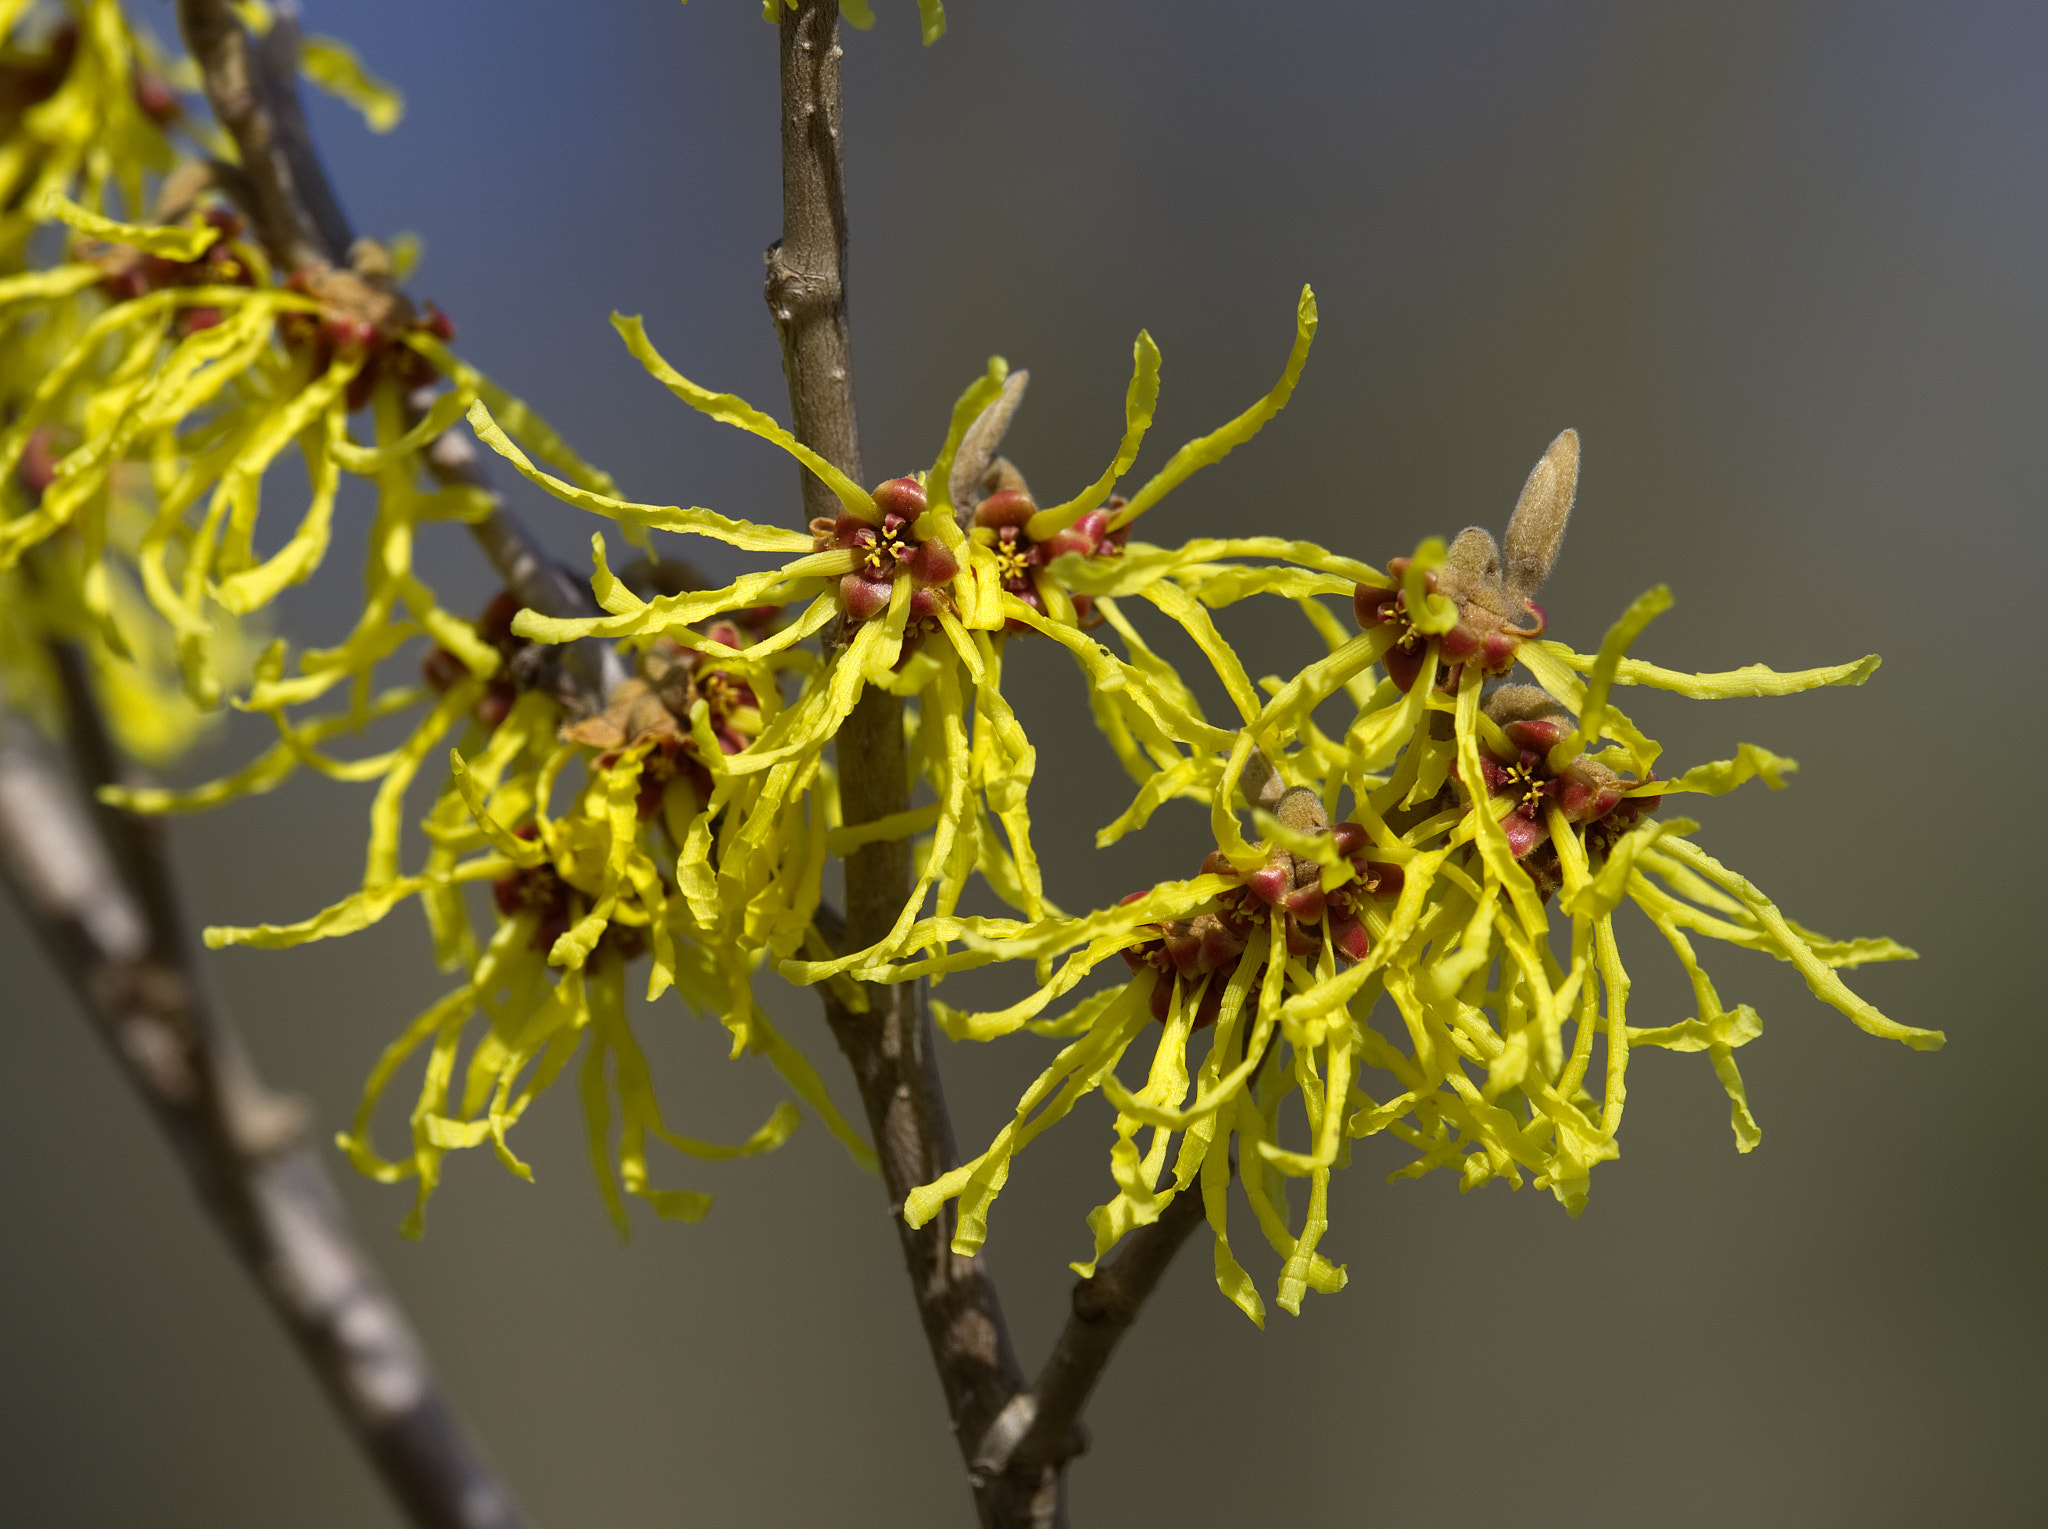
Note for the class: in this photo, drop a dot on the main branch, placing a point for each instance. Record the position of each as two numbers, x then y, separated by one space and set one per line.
890 1046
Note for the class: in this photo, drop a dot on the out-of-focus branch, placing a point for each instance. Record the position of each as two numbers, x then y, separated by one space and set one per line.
232 66
592 668
106 912
253 88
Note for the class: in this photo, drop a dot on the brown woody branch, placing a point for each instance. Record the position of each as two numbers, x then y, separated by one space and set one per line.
100 896
891 1046
1016 1443
233 67
1045 1422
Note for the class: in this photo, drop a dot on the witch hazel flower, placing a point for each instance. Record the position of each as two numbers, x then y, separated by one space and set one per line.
888 546
1475 603
1291 885
1597 802
1020 538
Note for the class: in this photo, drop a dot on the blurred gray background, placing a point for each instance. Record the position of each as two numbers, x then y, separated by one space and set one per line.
1782 266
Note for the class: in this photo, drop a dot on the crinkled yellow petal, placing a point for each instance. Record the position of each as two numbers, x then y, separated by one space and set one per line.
56 282
1212 448
661 517
1820 977
294 562
1724 775
1432 614
1141 398
185 242
1593 715
334 67
441 415
513 414
1750 680
731 410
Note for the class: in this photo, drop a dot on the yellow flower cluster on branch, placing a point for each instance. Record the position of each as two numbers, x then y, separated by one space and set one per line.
1479 812
1401 921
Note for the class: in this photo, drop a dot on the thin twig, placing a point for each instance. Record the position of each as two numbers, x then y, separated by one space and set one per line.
1104 1308
106 912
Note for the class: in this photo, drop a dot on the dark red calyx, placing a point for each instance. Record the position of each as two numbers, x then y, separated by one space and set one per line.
1369 603
1403 665
847 531
927 603
154 95
1348 937
1537 734
38 467
861 598
441 670
494 626
901 497
495 705
538 890
1461 643
1005 507
933 563
1497 653
1269 883
1306 902
1523 833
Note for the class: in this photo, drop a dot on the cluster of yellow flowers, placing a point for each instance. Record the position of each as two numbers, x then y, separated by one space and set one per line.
1426 828
152 377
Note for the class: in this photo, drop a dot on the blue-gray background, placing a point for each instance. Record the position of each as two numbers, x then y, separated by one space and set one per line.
1780 263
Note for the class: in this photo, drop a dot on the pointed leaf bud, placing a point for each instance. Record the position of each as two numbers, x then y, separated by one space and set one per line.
1536 530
